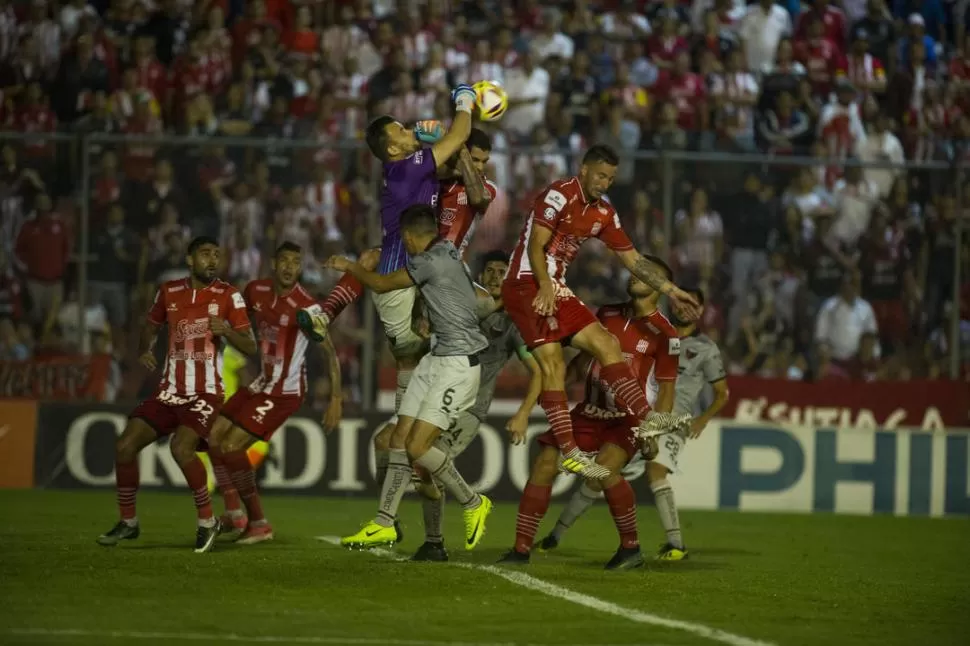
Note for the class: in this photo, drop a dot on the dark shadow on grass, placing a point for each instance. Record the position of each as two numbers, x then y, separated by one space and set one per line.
721 551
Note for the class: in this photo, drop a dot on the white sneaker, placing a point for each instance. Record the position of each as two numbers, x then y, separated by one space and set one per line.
656 424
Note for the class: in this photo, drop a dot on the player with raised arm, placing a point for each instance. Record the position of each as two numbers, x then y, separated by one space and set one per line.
549 315
504 342
444 383
256 412
649 342
700 363
201 311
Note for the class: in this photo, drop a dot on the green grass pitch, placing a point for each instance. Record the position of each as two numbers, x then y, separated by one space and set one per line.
788 580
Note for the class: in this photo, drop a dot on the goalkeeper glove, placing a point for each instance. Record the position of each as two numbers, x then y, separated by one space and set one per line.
428 132
464 98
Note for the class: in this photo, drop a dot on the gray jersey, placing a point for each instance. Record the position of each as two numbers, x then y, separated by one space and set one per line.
449 298
700 364
504 341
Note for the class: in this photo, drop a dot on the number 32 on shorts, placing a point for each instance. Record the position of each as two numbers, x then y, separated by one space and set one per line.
447 398
203 408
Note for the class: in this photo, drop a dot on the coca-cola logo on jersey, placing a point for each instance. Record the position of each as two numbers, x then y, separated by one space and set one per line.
187 330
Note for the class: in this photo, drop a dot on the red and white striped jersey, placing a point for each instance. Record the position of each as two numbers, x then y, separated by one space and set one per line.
282 346
564 209
193 365
458 219
649 344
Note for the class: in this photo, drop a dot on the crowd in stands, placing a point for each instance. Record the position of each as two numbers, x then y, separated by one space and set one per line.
814 267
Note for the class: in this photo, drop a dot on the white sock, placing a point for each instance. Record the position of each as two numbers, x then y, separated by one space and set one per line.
582 500
131 522
663 495
207 522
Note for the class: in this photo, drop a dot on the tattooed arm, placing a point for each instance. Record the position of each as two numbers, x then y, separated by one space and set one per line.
654 276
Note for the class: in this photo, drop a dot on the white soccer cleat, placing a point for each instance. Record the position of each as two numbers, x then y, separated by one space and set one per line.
582 464
314 325
656 424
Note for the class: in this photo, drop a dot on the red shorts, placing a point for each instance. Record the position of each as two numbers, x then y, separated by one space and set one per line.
592 434
165 412
570 317
260 414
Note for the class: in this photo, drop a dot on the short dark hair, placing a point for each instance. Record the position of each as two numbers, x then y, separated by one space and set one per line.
376 136
668 272
601 153
419 218
495 255
288 246
201 241
479 139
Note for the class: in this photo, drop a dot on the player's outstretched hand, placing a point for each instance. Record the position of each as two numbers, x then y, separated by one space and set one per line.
340 263
429 131
464 98
218 326
517 426
148 360
544 303
331 419
685 304
697 426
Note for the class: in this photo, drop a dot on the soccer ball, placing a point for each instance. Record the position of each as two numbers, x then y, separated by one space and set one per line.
491 99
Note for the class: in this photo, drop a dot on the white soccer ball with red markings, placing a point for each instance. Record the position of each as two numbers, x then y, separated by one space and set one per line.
491 99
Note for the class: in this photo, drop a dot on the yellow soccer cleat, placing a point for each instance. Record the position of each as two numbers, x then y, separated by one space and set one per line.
582 463
475 522
371 535
670 553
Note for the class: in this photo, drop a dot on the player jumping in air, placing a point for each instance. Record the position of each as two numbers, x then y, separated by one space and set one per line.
444 383
549 315
189 395
700 363
504 341
256 412
650 342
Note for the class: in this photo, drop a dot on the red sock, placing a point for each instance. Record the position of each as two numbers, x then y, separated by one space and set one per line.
244 478
623 508
229 494
532 507
347 290
198 480
556 405
126 482
619 378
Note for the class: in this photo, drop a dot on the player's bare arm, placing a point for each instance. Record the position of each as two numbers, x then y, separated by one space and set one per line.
519 423
653 275
545 301
381 284
149 335
478 195
454 140
665 396
331 419
243 340
721 396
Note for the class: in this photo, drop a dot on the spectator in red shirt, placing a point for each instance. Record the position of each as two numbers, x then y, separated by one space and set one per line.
833 21
42 252
665 46
687 91
820 56
303 40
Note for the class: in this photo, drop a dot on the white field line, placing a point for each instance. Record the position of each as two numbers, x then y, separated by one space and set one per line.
550 589
262 639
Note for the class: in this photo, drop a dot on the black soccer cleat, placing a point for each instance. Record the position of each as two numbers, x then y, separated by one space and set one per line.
400 532
120 532
431 552
514 557
205 537
626 558
548 543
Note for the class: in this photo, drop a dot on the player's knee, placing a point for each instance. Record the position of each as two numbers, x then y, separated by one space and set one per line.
545 468
382 441
417 445
183 448
656 471
553 368
606 483
235 440
126 450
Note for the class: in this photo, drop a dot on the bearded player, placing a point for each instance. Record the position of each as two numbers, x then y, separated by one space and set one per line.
504 342
190 393
700 363
256 412
549 315
650 342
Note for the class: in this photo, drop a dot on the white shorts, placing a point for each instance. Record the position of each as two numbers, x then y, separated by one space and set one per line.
441 389
456 438
670 447
395 311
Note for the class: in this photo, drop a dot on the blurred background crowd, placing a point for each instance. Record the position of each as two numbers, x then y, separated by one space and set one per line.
757 142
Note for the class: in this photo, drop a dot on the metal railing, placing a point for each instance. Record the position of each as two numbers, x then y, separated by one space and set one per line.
72 166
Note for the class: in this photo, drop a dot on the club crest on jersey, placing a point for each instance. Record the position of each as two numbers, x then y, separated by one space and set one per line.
642 346
549 213
448 215
213 309
595 228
